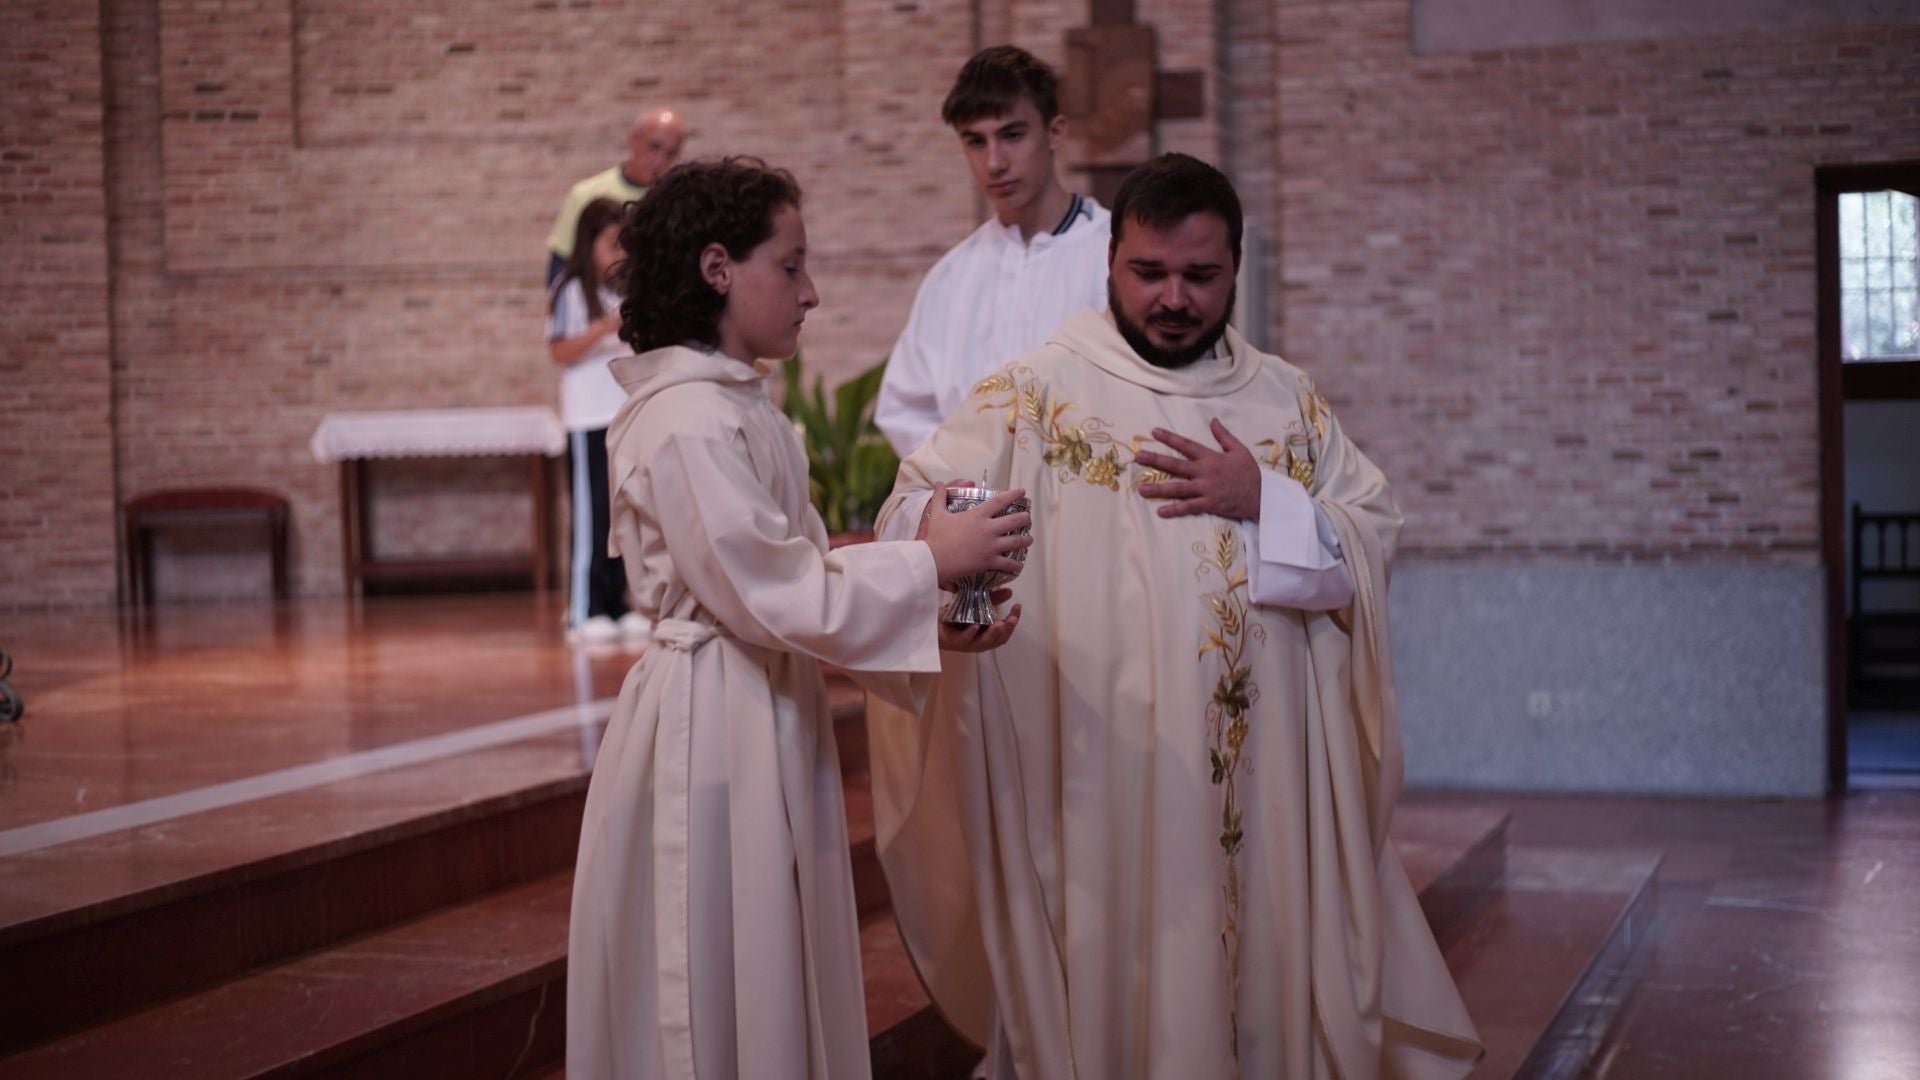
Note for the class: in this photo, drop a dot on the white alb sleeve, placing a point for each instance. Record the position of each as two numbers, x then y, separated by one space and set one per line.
903 525
908 408
1293 554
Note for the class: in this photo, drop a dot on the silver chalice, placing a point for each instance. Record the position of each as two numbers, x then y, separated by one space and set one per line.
972 603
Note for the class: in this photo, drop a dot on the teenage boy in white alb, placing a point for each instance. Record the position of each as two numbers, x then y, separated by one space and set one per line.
1003 290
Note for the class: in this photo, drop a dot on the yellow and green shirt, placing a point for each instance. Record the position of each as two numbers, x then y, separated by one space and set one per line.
611 184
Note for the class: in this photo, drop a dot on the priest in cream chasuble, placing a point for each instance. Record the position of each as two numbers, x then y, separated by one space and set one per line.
1148 837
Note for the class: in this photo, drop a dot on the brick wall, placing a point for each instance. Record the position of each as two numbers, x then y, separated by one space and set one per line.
1566 295
334 204
56 439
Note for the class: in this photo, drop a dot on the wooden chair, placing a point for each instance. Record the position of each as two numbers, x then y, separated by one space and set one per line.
200 507
11 705
1883 642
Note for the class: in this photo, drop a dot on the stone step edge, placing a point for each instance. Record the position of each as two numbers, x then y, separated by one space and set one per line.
52 990
1455 898
1595 1003
542 970
913 1029
291 860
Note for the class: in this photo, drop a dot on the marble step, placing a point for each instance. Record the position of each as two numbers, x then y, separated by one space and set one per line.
481 983
475 990
93 928
1456 860
1546 966
96 927
293 891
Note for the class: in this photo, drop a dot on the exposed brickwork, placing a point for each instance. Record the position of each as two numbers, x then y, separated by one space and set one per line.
1188 38
1249 147
56 436
1564 296
317 224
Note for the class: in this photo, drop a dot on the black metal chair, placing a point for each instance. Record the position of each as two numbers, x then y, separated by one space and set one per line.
1883 641
11 707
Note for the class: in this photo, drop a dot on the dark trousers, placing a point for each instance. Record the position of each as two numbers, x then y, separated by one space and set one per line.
598 585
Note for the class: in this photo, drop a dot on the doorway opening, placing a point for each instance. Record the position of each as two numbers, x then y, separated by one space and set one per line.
1869 330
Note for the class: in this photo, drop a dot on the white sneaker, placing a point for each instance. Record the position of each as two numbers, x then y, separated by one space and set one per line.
635 626
597 630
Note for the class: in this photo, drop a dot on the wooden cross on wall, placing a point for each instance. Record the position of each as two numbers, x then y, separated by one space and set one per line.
1114 92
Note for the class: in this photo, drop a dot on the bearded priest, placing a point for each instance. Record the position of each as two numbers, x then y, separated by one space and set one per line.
1148 838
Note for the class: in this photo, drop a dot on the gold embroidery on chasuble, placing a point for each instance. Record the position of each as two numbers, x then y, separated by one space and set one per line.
1229 632
1077 447
1294 455
1087 450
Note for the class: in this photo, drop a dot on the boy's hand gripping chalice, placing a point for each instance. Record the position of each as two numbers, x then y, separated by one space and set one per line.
973 594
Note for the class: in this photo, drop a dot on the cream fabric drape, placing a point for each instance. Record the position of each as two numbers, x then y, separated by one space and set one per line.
1151 830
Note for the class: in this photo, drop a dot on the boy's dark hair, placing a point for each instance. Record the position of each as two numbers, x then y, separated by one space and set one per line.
1171 188
594 217
993 82
730 202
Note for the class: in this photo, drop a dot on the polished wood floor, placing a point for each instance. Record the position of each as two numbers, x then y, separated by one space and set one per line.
1789 933
158 748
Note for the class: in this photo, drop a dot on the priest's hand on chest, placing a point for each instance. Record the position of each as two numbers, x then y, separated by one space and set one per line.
1223 482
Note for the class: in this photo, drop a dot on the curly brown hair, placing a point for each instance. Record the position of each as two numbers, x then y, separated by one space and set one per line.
730 202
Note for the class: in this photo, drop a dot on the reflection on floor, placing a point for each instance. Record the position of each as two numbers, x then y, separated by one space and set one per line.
338 839
1883 746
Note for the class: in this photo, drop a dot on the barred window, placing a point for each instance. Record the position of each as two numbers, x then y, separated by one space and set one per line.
1879 260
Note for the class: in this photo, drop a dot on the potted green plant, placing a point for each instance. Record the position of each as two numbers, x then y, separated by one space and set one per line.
851 467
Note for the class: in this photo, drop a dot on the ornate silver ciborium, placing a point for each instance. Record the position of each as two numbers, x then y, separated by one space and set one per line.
972 603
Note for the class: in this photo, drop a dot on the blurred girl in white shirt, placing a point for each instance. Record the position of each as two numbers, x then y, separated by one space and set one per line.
581 337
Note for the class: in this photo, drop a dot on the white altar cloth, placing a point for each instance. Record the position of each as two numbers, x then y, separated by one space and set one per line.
400 433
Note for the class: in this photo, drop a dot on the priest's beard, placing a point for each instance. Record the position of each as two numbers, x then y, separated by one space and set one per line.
1136 334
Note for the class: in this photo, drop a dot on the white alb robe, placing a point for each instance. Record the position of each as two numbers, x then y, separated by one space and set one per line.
992 297
1151 831
714 933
